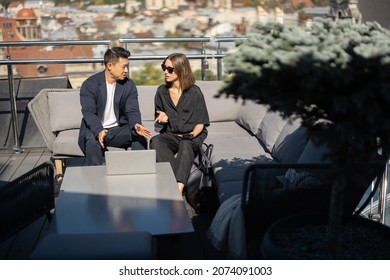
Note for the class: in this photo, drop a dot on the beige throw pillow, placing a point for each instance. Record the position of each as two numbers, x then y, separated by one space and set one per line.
65 110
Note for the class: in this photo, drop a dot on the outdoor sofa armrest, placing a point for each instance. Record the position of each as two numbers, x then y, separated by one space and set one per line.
40 111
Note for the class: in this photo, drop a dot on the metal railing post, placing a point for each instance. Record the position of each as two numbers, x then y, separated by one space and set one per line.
203 66
219 63
219 55
205 63
14 113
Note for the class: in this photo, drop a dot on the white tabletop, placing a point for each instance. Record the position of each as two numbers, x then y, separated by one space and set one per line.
92 202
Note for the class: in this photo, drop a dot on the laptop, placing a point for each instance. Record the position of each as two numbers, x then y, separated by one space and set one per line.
130 162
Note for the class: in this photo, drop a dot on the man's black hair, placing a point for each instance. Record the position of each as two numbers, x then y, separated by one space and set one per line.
113 54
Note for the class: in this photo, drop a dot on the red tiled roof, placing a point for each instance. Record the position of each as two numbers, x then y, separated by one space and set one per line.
26 13
308 3
143 34
41 53
14 4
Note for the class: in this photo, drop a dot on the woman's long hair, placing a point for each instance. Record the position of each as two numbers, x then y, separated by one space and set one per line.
182 69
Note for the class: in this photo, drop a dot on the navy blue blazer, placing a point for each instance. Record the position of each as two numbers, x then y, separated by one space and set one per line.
93 96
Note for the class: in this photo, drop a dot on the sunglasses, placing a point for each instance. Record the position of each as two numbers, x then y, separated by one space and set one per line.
169 69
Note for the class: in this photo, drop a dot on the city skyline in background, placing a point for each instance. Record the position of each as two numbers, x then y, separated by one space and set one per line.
43 20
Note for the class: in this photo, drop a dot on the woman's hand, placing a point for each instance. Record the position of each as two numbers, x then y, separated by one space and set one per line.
186 135
193 134
161 118
143 131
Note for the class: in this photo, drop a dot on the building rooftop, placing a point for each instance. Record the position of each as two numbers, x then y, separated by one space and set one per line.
375 10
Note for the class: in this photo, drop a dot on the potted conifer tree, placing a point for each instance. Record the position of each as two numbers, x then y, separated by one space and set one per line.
335 71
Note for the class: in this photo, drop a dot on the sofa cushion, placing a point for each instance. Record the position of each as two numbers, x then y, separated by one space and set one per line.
291 141
250 115
314 154
232 166
307 178
220 109
229 170
225 130
66 143
228 189
270 128
146 101
65 110
238 145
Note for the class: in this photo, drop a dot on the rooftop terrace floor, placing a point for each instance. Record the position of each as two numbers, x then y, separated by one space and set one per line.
186 246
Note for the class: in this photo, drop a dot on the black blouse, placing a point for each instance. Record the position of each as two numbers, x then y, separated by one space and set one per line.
190 110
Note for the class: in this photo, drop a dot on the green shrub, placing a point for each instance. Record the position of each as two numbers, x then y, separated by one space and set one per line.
335 71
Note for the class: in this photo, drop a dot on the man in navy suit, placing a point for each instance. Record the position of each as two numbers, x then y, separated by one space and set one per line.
110 108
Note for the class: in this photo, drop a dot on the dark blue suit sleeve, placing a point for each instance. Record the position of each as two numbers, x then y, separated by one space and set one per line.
92 105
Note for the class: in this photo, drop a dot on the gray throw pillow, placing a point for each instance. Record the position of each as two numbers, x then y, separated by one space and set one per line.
301 179
251 115
314 154
65 110
291 142
270 128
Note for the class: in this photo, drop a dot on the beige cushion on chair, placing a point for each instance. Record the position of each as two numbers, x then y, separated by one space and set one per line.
65 110
66 143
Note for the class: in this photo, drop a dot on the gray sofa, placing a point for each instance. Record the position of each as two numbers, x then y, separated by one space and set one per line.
57 114
243 133
247 133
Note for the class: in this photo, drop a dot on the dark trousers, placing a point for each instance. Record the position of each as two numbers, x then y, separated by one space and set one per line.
119 136
180 153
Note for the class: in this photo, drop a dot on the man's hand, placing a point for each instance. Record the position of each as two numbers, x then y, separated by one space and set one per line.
162 117
143 131
101 136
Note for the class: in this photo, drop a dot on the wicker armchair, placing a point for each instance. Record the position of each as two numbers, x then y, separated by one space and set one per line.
26 199
40 110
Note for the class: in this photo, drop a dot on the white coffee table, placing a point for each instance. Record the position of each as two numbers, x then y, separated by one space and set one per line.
92 202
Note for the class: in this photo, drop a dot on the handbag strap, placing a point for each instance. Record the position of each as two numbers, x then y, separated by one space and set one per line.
204 157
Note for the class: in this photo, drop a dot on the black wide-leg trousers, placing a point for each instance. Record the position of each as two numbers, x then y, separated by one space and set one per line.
180 153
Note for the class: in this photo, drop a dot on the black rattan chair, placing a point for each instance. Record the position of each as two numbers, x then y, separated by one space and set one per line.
25 199
276 190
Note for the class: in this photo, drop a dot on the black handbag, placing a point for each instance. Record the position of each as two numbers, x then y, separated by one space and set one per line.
200 179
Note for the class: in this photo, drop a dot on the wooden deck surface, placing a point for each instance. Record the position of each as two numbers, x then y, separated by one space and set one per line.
12 165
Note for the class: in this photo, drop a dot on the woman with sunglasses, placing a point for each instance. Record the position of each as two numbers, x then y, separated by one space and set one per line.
181 109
